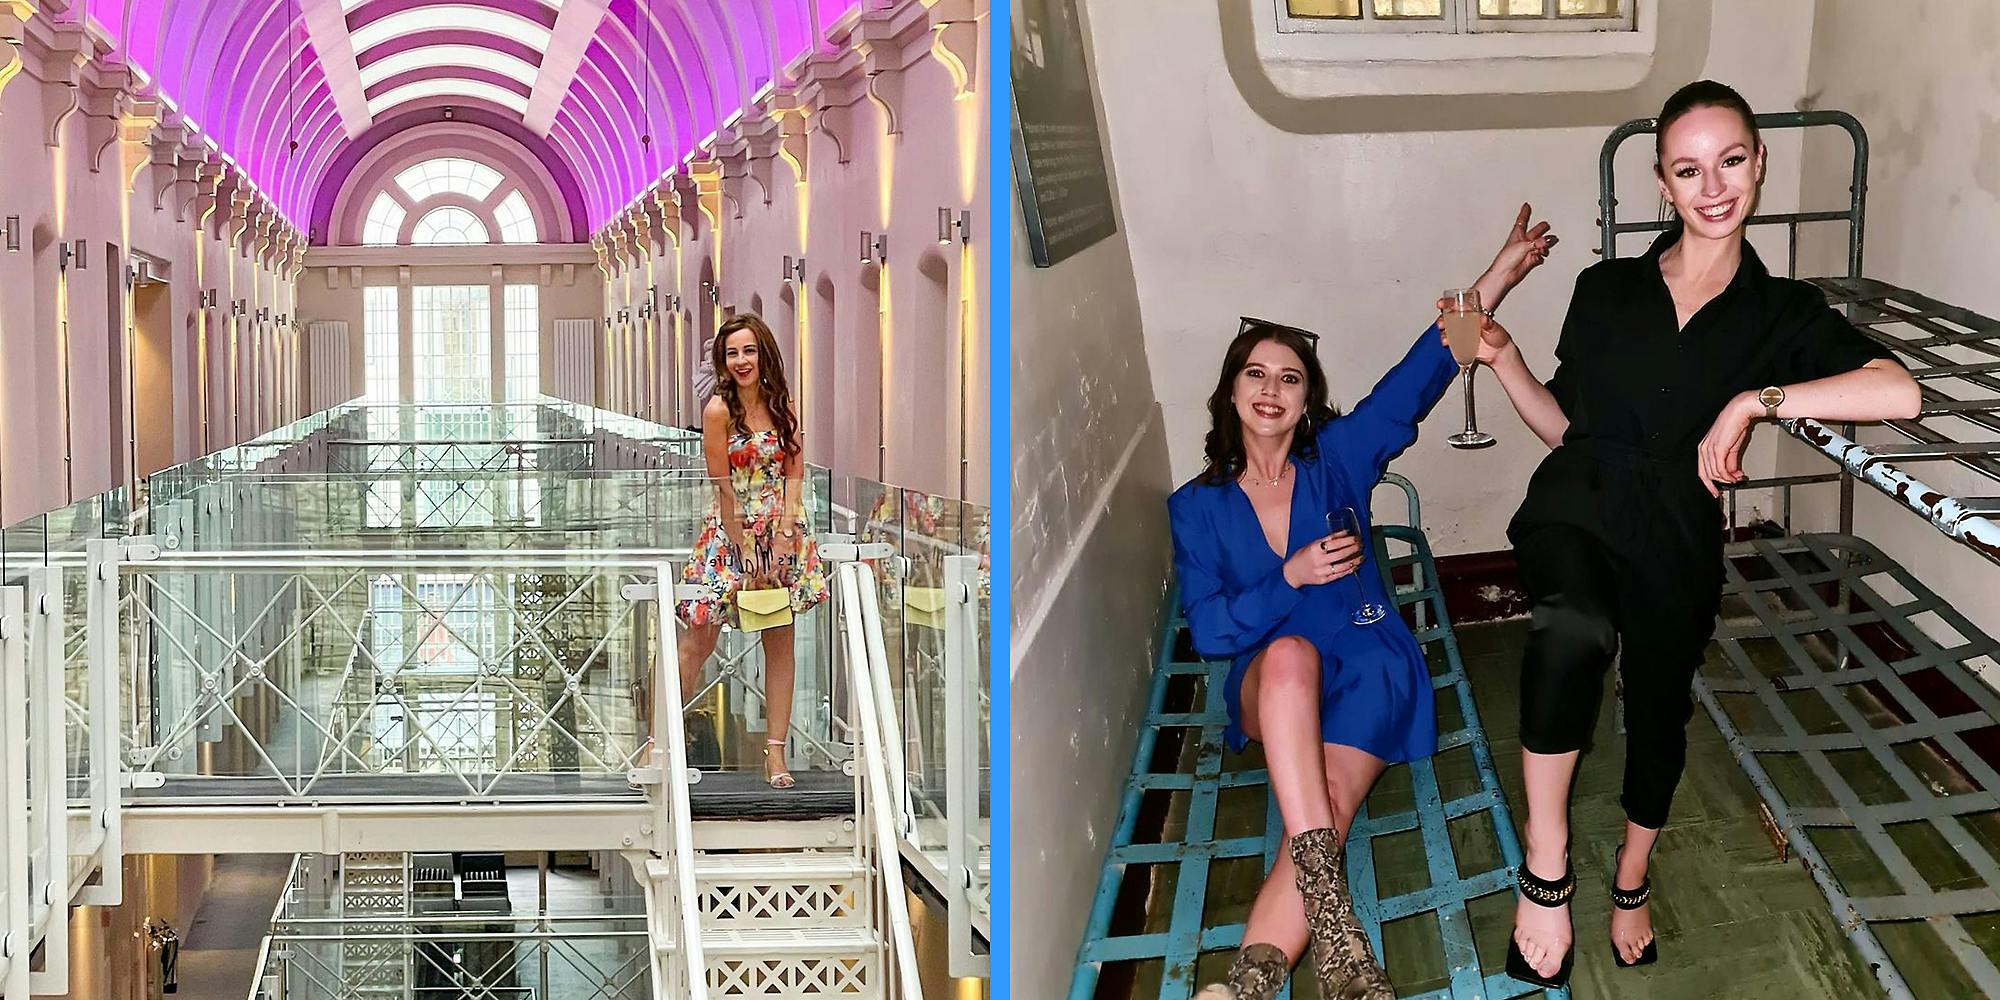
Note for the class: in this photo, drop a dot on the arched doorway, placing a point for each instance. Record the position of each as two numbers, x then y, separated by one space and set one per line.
822 340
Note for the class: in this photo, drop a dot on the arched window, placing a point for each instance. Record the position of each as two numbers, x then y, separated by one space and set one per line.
385 221
517 224
448 175
449 225
455 200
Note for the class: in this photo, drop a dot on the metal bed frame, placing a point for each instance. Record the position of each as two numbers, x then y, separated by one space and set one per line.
1453 879
1829 624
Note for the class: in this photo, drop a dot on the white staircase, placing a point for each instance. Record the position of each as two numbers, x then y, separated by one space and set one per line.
792 925
375 884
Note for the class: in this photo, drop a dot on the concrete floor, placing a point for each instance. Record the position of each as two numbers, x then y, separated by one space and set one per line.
1733 921
219 952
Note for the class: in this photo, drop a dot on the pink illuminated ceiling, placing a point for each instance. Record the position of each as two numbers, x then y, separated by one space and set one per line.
608 94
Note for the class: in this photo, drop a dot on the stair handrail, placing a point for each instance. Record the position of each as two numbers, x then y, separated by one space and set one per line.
865 659
675 804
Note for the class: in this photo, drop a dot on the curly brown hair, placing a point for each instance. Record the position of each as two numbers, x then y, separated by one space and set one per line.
770 380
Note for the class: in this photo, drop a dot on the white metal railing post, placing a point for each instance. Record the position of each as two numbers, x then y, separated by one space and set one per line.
14 891
901 945
901 811
670 753
102 557
962 730
47 701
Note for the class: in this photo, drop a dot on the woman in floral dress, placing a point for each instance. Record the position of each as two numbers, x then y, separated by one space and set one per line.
755 533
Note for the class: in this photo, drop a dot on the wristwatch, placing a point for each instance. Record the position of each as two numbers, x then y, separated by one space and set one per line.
1772 397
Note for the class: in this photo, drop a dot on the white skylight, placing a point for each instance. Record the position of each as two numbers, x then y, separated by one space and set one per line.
448 55
450 16
456 88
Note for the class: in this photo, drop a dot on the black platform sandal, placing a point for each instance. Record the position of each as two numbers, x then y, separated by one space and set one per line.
1542 892
1632 899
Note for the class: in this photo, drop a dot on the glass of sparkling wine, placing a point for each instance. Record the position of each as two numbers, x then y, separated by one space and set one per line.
1345 519
1461 331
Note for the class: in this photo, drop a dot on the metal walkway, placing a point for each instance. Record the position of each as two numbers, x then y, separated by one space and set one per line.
1180 752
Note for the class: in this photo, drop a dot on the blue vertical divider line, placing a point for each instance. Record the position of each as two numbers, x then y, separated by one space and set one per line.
1449 891
999 251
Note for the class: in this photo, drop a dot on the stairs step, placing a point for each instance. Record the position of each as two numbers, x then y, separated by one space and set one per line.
787 867
719 942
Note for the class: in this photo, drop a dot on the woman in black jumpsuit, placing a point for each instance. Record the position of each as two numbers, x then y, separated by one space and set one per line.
1665 361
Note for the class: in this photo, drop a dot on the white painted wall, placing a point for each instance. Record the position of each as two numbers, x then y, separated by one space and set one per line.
1921 78
1349 216
1089 558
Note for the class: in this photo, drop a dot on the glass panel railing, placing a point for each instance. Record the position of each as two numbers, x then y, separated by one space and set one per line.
931 566
328 675
454 926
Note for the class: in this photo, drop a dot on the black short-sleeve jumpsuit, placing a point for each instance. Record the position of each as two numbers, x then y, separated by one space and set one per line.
1617 541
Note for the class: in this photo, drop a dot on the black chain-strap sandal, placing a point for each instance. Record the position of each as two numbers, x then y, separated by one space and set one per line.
1632 899
1542 892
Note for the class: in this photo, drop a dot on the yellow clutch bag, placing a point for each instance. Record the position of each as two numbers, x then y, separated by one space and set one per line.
757 610
924 606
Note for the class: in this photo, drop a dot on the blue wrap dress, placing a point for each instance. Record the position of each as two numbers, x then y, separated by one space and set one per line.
1375 689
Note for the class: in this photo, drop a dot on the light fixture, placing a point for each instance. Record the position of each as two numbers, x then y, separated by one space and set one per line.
874 249
13 231
795 269
64 255
714 293
788 270
239 307
965 226
607 321
264 315
208 298
674 303
947 223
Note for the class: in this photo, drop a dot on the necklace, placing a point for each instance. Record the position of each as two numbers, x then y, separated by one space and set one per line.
1273 481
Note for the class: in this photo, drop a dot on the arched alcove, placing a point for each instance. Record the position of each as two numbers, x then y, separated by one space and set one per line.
822 344
922 417
864 366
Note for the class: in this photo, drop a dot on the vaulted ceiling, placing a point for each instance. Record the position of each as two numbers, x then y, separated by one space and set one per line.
608 94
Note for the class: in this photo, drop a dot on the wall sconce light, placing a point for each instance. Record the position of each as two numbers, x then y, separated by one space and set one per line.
795 269
607 321
874 249
952 222
674 303
239 307
12 228
70 252
714 293
208 298
264 315
948 226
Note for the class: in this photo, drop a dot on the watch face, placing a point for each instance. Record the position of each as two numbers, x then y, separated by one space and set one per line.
1771 397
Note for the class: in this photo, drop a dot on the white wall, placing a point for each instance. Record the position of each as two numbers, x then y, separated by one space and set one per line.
1089 558
1921 78
1349 215
85 158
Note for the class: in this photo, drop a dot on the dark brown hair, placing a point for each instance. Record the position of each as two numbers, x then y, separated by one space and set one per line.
1224 446
1702 94
770 380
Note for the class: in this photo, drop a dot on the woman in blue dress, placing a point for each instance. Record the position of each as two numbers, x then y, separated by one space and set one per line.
1264 584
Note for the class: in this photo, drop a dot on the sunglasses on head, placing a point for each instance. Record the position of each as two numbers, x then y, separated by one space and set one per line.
1245 323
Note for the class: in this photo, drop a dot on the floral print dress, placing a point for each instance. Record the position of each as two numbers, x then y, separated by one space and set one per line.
757 474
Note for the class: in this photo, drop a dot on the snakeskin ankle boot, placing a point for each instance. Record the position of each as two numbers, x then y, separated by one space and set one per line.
1258 973
1346 965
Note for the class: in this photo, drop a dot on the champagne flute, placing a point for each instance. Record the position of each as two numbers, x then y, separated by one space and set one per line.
1346 519
1461 331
